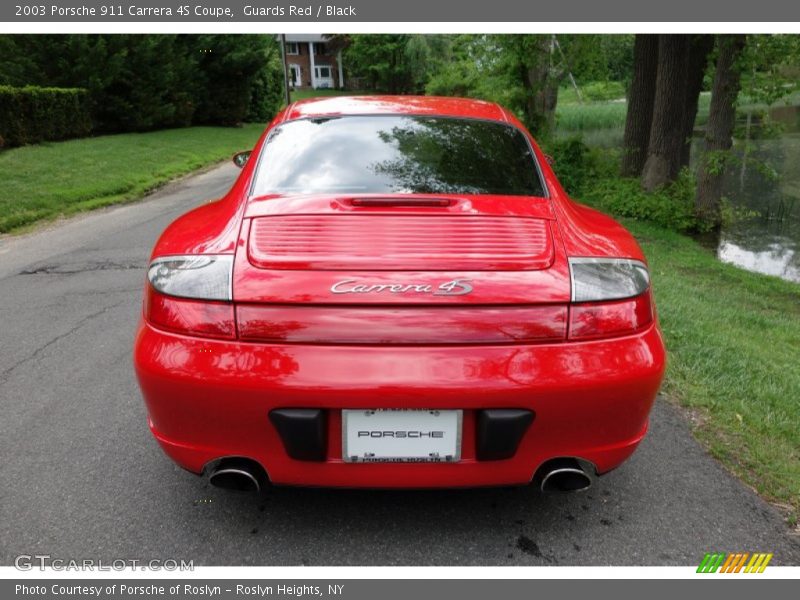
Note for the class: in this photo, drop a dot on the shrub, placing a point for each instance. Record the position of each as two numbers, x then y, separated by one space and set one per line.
237 70
266 97
671 207
35 114
597 91
459 78
593 91
591 176
577 166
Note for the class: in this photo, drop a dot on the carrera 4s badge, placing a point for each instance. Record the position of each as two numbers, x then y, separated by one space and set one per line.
455 287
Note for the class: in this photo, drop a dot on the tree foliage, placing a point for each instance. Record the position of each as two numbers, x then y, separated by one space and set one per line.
769 67
234 70
521 72
524 72
396 63
144 82
598 57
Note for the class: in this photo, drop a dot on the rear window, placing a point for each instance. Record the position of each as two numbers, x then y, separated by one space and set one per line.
397 154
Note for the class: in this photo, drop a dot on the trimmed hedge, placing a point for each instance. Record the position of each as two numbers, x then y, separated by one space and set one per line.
30 114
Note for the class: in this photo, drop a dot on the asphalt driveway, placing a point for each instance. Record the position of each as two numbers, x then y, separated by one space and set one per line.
82 477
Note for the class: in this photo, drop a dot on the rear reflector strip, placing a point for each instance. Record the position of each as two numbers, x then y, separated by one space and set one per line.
610 319
201 318
405 325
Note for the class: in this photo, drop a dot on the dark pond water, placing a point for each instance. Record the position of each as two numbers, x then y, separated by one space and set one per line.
765 235
768 240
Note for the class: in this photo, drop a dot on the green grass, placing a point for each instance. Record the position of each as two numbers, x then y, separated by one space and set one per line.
47 180
304 94
576 118
593 91
733 339
603 109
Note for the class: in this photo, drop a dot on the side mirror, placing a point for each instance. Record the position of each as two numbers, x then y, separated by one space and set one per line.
240 158
550 160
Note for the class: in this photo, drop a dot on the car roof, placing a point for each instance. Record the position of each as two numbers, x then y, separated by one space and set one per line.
392 105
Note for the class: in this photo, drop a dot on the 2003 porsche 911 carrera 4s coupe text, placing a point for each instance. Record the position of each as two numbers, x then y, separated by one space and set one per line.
397 292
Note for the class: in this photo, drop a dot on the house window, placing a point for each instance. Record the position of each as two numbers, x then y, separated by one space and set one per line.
320 48
292 48
323 72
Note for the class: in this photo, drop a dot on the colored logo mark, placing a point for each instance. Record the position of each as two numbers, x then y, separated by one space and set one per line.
734 562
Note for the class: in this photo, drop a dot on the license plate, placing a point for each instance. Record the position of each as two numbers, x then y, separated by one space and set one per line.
401 435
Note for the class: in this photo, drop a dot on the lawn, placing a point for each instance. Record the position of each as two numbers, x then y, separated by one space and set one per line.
608 112
734 359
47 180
304 94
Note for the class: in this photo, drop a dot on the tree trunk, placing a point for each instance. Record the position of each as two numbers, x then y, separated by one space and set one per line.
640 104
746 150
666 131
719 131
699 48
540 96
547 99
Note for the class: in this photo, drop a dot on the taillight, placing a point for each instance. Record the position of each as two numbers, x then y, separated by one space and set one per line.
202 277
610 297
191 295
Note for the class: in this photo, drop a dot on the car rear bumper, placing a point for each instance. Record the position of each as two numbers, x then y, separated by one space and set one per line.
208 399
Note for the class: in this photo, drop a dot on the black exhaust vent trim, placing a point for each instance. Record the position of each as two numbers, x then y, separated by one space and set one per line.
303 431
499 432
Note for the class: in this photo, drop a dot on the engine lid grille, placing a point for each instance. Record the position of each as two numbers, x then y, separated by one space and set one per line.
400 242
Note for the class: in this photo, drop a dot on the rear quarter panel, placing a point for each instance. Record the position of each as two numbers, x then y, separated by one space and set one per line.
213 228
584 230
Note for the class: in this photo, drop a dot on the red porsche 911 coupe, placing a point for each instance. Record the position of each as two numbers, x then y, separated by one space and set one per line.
397 293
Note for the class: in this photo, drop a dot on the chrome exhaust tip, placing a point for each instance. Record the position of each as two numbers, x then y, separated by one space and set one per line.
563 475
238 474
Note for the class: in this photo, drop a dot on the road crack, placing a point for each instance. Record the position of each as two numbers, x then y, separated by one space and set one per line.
5 374
62 269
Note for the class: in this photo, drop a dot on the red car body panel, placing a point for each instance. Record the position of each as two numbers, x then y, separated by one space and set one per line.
397 105
208 399
288 341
